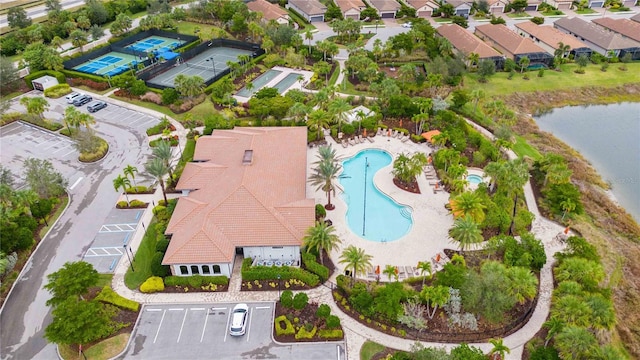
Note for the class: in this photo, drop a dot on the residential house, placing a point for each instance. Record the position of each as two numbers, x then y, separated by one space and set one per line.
269 11
386 9
424 8
311 10
561 4
599 39
497 6
461 7
244 194
513 46
532 5
625 27
351 8
548 38
466 43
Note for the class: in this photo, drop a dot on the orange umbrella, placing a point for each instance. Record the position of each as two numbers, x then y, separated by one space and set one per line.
378 270
566 230
430 134
365 132
388 132
400 122
396 270
438 257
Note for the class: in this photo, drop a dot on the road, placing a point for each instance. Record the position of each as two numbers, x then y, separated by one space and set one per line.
25 314
41 10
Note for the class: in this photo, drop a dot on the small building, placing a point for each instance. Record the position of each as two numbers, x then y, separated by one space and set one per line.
243 195
599 39
386 9
351 9
625 27
311 10
269 11
561 4
461 7
44 82
424 8
466 43
549 38
359 113
512 45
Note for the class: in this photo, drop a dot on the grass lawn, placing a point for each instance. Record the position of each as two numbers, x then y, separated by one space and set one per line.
522 149
101 351
142 259
199 112
552 13
369 349
104 280
160 108
347 88
334 76
187 27
443 20
303 25
554 80
586 11
518 15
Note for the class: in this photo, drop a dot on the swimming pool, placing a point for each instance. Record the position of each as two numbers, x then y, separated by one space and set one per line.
474 179
371 214
286 83
259 83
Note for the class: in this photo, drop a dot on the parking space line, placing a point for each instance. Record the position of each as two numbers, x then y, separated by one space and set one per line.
176 309
182 326
75 183
249 325
159 326
206 319
154 310
227 332
263 307
196 309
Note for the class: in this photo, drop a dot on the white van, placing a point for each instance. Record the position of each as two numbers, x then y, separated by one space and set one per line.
74 95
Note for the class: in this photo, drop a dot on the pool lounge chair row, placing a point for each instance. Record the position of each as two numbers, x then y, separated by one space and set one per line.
404 272
355 140
393 134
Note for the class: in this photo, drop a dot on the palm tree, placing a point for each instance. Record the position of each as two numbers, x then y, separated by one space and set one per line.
250 87
390 271
298 111
123 183
157 168
499 349
524 284
567 206
327 153
424 267
406 168
524 63
163 152
308 35
324 178
477 95
466 232
131 171
35 105
338 109
468 203
321 237
318 120
71 118
554 326
356 259
573 342
473 59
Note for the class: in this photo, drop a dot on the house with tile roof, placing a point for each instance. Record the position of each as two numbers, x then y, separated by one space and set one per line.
351 8
512 45
532 5
244 194
466 43
386 9
599 39
424 8
461 7
549 38
625 27
561 4
269 11
311 10
497 6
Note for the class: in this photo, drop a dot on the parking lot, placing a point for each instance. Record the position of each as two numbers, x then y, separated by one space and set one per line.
201 331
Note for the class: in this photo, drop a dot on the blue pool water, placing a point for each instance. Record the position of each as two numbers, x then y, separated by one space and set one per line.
259 83
286 83
474 179
380 219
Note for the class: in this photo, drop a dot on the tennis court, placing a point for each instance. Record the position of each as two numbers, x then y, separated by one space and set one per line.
110 64
156 43
207 65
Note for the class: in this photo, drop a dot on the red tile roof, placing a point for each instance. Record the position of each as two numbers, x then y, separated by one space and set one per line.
233 205
509 40
550 35
269 11
624 27
466 42
595 34
346 5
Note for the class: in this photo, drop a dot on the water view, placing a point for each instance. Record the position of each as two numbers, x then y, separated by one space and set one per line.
609 137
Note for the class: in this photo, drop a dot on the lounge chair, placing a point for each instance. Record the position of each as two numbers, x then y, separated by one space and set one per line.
352 141
344 143
360 139
432 183
394 133
405 138
370 138
379 132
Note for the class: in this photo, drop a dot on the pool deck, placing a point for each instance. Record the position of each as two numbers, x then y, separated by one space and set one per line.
285 71
431 221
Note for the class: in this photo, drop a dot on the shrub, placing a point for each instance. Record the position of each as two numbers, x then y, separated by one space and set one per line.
157 269
286 299
323 311
95 155
300 301
162 245
330 333
135 203
303 333
137 189
150 96
203 280
309 262
57 91
169 96
321 212
107 295
348 129
96 85
152 284
158 209
122 204
538 20
287 329
250 273
333 322
158 129
344 284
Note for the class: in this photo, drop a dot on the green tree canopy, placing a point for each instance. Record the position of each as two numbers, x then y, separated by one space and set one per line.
71 281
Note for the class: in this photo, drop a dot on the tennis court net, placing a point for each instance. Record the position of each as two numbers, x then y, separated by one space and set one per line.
206 68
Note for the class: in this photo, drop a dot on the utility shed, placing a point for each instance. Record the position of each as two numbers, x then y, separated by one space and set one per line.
43 83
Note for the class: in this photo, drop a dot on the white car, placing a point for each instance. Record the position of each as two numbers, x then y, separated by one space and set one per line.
239 320
406 25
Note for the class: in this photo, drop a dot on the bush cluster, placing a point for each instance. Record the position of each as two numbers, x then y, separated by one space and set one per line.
251 273
57 91
196 280
303 333
287 329
95 85
109 296
152 284
309 262
331 333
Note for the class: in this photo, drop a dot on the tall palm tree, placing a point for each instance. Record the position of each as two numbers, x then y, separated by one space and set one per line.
321 237
466 232
338 109
499 349
308 35
324 178
157 168
298 111
71 117
424 267
318 120
131 171
390 271
163 152
356 259
327 153
123 183
468 203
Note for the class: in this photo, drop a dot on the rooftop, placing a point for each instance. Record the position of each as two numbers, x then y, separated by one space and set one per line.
466 42
550 35
416 4
345 5
624 27
509 40
596 34
385 5
269 11
309 7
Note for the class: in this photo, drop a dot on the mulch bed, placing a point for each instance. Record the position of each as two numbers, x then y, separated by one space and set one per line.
188 289
305 316
411 187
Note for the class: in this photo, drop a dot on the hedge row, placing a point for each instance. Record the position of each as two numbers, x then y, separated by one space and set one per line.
330 333
109 296
57 91
309 261
189 46
34 75
251 273
288 328
304 334
196 281
81 75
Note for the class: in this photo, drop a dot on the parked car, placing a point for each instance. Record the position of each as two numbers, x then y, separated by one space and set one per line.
71 97
239 320
81 100
406 25
96 105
